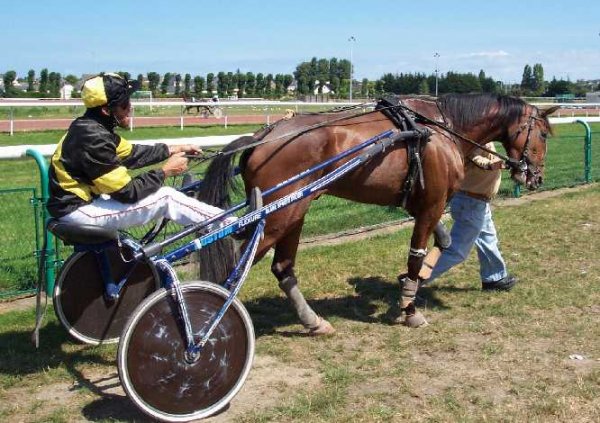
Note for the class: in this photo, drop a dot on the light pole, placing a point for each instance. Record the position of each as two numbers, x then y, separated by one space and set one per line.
352 40
437 56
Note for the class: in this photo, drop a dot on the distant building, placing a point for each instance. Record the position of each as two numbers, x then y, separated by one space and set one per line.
292 87
66 91
325 89
593 97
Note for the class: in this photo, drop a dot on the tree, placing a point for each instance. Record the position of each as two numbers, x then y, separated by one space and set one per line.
250 84
54 84
234 87
278 86
140 80
241 79
269 85
260 85
177 84
71 79
30 80
527 79
153 81
558 87
538 79
379 89
287 81
164 85
222 84
424 87
125 75
231 83
322 73
364 88
461 83
198 86
488 85
8 78
210 83
302 75
343 72
187 84
43 81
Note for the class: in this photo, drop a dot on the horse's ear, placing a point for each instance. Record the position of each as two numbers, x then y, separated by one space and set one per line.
549 110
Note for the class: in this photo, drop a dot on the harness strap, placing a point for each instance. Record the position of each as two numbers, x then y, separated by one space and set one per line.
400 117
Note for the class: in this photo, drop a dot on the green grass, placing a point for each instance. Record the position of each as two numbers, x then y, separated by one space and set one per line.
484 356
327 214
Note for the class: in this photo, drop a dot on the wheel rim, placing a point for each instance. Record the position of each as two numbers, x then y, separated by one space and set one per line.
153 365
79 297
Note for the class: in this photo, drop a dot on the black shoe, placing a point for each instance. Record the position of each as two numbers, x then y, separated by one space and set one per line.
504 284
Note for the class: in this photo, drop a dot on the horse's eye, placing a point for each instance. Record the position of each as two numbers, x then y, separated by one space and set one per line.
544 134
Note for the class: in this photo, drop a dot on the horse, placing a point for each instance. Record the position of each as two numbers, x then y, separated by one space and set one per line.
458 124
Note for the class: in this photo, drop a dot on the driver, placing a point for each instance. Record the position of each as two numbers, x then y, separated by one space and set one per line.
90 182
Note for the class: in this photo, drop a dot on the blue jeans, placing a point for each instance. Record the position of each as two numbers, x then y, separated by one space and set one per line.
473 225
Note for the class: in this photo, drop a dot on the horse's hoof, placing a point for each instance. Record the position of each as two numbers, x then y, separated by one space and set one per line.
415 320
324 328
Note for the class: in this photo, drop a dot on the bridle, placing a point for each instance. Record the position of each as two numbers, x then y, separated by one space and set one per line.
525 164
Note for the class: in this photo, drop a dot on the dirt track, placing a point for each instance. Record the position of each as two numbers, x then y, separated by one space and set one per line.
195 120
188 120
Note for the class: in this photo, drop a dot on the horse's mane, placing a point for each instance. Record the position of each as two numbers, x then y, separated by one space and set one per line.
465 110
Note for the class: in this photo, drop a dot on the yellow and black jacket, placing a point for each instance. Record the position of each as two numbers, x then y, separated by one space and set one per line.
91 159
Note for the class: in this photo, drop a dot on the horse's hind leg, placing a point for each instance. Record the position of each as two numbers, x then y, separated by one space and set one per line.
283 269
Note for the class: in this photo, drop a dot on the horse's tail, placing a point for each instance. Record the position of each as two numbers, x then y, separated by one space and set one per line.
218 259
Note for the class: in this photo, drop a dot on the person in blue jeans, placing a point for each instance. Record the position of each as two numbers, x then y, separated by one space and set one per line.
473 225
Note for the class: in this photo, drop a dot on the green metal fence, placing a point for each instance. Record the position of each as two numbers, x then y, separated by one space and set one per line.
22 230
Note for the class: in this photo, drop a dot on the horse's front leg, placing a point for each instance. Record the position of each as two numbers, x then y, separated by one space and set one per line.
283 269
409 283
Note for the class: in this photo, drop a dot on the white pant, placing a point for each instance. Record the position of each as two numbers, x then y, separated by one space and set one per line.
167 202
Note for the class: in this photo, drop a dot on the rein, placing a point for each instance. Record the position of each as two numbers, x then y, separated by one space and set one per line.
291 135
520 165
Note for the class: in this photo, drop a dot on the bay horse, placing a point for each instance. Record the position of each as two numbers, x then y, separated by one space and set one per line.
291 146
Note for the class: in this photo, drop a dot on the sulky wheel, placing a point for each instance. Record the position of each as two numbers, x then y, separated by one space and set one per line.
152 362
79 300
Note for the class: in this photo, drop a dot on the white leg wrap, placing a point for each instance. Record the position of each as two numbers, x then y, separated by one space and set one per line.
417 252
308 317
408 291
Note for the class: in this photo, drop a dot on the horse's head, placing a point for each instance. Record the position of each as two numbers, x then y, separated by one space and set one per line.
526 145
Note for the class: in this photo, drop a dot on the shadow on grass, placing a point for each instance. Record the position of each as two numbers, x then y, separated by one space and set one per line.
270 313
19 358
113 408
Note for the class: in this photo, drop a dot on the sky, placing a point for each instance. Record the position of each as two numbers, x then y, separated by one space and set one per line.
390 36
